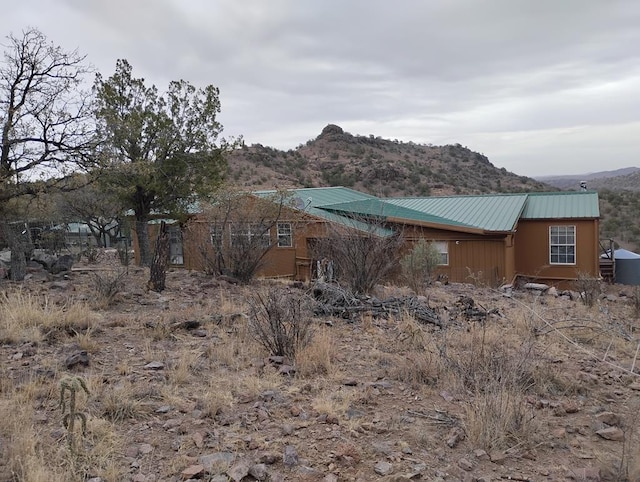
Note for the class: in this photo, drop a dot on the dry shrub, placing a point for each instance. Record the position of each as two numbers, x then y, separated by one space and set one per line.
249 387
25 317
33 456
411 334
498 373
280 321
589 288
499 417
419 264
415 368
106 286
317 357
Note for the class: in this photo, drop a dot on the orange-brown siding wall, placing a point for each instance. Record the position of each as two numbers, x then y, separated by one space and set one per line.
490 259
472 257
532 250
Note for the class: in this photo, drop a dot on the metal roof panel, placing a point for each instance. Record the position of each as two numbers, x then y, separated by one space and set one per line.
487 212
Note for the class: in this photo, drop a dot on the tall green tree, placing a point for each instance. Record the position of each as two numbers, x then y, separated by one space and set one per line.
47 128
163 149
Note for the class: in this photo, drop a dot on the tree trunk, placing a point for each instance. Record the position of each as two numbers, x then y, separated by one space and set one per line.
142 230
19 244
160 260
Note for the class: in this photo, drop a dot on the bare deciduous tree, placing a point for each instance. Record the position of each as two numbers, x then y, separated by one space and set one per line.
97 207
238 230
363 252
46 123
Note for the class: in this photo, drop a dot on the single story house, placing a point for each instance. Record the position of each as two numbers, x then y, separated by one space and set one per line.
550 237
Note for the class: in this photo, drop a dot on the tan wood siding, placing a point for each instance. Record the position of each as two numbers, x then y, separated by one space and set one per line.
532 250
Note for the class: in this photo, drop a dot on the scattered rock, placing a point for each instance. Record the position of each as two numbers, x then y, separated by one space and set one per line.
611 433
465 464
456 435
498 457
258 471
146 449
610 418
79 358
541 287
62 286
481 454
154 365
240 469
290 456
383 467
583 474
63 263
216 460
198 439
192 472
268 458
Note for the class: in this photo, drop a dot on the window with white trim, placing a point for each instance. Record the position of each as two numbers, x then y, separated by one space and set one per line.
217 236
443 252
562 244
285 239
248 234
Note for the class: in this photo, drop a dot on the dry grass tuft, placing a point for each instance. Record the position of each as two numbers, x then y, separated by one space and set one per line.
317 358
121 402
189 364
333 404
415 368
214 399
25 317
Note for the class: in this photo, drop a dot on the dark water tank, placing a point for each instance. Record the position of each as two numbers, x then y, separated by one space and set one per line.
627 267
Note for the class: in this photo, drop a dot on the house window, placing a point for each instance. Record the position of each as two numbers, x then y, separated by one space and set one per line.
443 252
285 239
248 234
216 231
562 244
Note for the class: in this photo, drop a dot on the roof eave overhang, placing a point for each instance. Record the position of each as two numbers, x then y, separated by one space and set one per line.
445 227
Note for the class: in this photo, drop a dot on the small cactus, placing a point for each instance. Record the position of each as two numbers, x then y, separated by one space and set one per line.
72 385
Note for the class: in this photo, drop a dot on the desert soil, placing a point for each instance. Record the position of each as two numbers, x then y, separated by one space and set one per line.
179 389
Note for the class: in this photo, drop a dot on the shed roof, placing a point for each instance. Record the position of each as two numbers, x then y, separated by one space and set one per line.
558 205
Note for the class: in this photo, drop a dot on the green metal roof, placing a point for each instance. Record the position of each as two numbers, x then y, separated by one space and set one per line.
383 209
558 205
318 200
487 212
490 212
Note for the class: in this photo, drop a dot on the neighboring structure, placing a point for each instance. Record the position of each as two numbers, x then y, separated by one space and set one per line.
496 238
627 267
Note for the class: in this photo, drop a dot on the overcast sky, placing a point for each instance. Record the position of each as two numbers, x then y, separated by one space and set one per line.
540 87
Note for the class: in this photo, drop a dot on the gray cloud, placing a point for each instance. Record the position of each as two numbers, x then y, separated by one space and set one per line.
540 87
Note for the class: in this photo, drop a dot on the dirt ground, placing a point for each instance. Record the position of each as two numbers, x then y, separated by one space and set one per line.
530 386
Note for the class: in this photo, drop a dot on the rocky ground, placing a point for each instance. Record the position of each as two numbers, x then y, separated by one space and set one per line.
521 385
